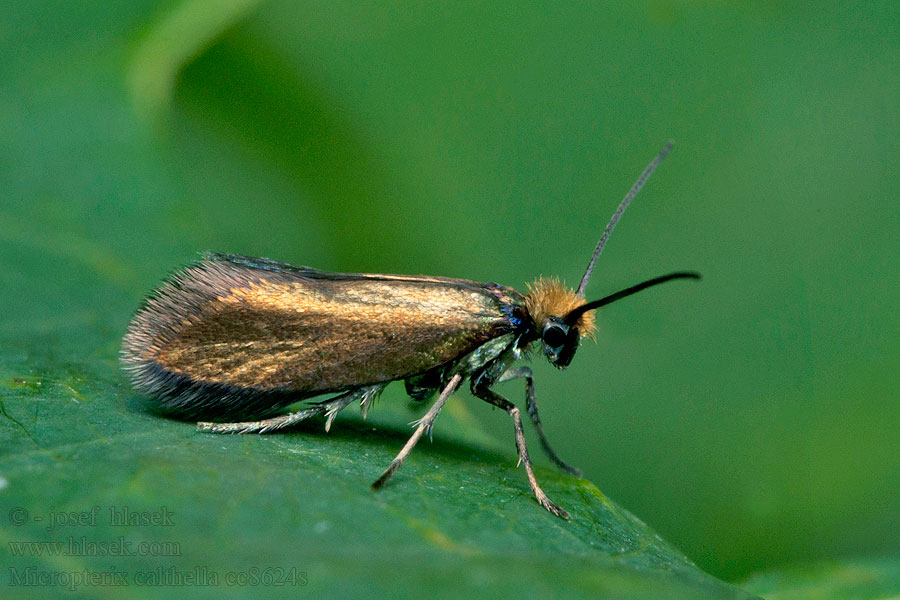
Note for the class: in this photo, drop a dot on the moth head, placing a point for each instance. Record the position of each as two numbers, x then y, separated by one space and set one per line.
561 317
549 303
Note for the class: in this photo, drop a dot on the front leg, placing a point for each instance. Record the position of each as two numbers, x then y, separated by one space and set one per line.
482 391
532 409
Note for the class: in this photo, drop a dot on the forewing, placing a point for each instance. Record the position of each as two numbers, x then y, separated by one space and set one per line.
231 332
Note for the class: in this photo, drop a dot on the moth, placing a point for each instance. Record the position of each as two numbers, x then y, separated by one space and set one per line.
232 340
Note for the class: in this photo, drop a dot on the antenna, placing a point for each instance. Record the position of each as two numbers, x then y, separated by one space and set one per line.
576 313
618 214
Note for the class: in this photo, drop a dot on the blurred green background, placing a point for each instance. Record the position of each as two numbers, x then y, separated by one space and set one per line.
752 419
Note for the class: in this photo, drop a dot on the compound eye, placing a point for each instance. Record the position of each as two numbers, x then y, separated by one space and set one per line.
554 335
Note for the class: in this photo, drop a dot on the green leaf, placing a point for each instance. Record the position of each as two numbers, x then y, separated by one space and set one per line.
79 452
861 579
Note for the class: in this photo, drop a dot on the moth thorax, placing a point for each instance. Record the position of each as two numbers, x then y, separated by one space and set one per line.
547 298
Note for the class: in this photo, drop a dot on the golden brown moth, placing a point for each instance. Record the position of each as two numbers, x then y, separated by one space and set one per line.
231 340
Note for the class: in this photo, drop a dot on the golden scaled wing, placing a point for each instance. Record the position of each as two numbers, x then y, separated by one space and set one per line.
233 322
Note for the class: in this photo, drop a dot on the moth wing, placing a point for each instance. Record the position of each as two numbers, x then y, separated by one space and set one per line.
239 336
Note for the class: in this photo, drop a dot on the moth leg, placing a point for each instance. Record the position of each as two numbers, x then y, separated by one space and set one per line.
330 408
265 425
488 395
424 424
532 409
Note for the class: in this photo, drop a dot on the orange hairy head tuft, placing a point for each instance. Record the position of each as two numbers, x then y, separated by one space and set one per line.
549 298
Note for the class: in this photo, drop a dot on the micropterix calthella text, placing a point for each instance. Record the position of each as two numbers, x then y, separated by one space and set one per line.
231 340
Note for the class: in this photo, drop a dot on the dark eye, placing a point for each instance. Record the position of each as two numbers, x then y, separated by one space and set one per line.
554 336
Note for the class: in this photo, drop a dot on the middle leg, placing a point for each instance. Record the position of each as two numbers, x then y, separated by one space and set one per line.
423 425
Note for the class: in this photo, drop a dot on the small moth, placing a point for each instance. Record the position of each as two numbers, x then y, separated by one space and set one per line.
231 340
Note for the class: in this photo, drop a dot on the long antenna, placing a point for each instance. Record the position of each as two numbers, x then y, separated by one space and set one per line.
576 313
618 214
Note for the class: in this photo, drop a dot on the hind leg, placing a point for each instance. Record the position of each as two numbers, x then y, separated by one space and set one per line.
330 408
